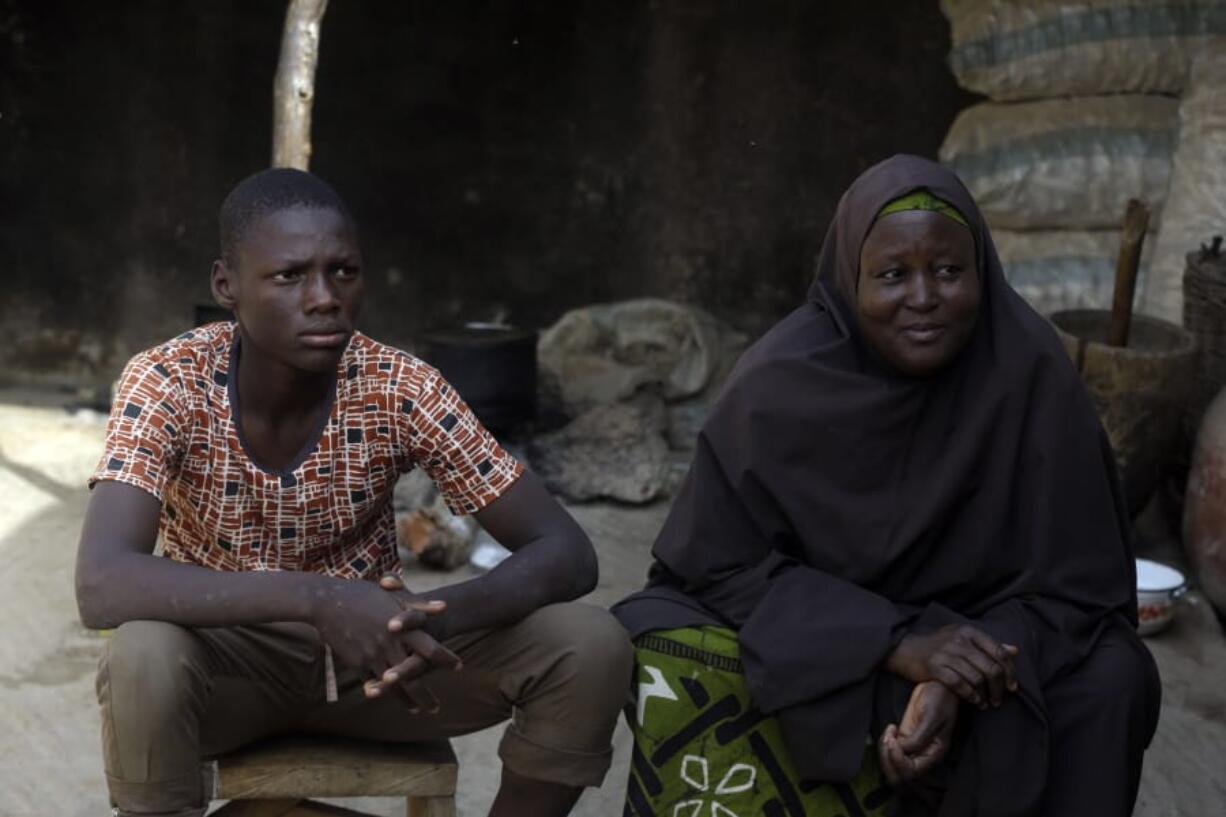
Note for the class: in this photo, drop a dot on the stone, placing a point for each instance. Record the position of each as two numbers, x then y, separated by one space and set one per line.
616 451
609 352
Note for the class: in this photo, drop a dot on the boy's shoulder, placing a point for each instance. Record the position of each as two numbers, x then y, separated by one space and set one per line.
199 357
376 366
210 341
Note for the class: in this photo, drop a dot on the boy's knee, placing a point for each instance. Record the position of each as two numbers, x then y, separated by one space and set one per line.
578 670
595 647
154 663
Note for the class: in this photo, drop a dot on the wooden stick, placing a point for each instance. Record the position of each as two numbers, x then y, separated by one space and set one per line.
1136 220
294 85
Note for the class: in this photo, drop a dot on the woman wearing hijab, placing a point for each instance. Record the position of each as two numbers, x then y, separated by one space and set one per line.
904 505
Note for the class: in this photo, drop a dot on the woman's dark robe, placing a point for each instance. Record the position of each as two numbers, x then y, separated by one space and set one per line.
834 504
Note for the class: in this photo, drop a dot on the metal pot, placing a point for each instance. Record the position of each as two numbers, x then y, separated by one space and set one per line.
492 366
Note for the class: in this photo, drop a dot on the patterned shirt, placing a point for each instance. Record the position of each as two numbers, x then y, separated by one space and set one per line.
173 433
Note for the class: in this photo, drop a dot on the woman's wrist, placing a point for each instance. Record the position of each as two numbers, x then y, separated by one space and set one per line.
901 660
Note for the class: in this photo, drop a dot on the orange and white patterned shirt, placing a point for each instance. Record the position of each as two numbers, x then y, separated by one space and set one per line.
173 433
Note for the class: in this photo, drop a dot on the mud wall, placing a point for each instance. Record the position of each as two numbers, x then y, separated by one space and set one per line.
513 158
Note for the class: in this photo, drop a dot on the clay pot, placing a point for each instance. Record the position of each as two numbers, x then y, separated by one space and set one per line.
1204 510
1140 390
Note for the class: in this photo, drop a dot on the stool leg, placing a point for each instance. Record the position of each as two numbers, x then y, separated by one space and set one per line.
431 806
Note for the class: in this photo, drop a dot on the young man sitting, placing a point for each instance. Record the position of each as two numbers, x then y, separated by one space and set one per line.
262 456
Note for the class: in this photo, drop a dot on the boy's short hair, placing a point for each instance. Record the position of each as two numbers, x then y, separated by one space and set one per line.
268 191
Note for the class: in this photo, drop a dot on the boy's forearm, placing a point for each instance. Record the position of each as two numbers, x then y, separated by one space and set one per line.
139 586
550 570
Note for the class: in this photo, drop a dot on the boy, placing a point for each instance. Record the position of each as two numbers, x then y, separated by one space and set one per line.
262 455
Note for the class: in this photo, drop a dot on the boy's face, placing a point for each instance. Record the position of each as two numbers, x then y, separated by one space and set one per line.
295 285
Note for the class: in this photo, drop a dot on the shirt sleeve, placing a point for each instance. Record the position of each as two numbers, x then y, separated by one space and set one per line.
448 442
145 432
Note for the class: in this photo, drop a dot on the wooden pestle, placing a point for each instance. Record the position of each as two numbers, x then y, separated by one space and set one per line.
1136 221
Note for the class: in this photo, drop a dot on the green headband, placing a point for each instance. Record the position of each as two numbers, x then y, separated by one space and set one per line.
923 200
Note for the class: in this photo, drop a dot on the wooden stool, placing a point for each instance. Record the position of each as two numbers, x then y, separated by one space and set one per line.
274 778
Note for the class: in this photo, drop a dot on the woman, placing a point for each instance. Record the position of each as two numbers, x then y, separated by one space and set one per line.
905 505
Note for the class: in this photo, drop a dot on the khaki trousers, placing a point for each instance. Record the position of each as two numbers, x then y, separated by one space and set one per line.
172 695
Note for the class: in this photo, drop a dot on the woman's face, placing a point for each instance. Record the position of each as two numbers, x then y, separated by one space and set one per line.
918 290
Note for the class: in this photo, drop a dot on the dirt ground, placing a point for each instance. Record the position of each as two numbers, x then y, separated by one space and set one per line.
49 752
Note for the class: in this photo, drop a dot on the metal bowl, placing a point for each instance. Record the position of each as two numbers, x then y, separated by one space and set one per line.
1159 591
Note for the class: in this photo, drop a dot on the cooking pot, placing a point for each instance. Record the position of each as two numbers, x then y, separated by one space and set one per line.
492 366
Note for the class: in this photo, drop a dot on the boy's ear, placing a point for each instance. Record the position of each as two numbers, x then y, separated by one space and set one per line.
223 281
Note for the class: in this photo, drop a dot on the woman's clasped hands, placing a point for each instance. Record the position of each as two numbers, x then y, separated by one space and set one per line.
955 662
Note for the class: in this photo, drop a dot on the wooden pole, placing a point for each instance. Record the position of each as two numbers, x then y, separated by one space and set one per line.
294 86
1136 220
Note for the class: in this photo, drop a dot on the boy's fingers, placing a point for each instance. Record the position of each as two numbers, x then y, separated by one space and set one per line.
410 668
406 620
391 582
414 614
431 607
418 697
422 643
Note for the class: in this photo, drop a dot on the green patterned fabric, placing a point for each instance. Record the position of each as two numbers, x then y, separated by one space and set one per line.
702 749
923 200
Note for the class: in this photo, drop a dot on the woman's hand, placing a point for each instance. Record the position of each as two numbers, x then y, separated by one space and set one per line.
922 738
353 618
965 659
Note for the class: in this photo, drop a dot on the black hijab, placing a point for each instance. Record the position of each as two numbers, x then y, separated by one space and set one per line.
834 502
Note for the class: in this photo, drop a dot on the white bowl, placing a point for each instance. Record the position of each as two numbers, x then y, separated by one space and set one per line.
1159 589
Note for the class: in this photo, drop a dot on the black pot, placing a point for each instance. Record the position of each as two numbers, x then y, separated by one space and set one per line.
493 367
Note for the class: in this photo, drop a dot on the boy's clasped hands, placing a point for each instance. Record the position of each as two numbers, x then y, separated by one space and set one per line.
383 629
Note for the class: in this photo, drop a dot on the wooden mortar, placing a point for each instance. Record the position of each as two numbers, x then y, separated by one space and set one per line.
1139 371
1140 390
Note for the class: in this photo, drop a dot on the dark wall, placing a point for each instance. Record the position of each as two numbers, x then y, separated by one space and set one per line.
501 157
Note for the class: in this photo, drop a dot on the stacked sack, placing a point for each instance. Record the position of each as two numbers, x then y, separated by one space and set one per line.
1082 118
1196 200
